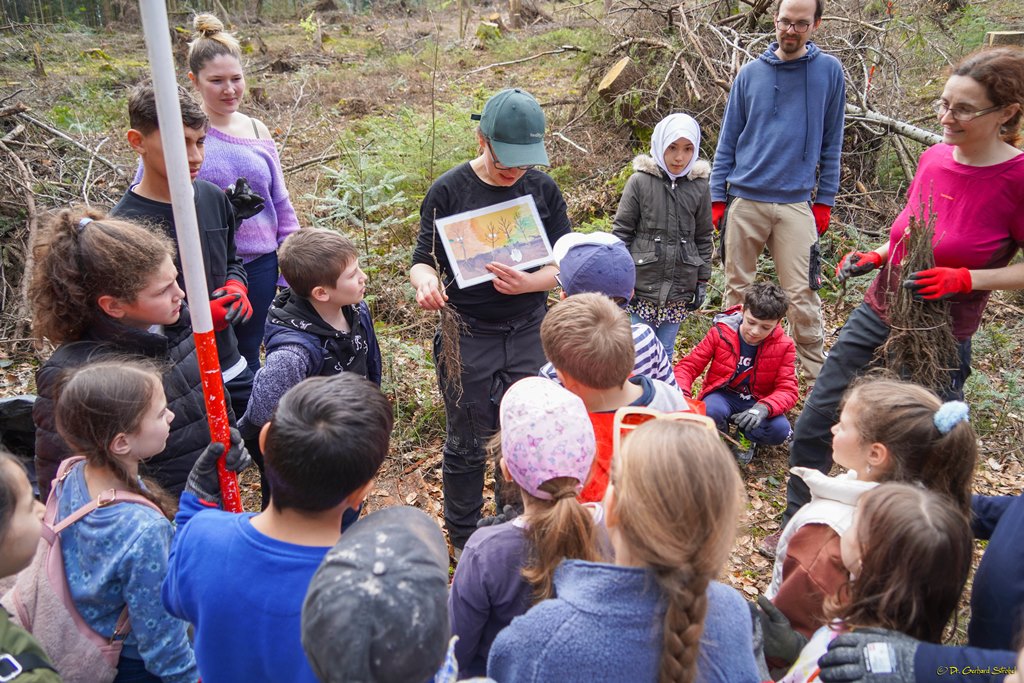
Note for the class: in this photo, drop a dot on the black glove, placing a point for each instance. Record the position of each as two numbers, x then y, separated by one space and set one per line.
751 418
507 514
858 263
869 655
245 202
700 295
780 640
203 480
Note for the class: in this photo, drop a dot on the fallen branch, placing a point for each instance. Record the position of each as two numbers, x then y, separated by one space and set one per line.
851 20
13 109
562 137
312 162
88 172
558 51
14 132
896 126
64 136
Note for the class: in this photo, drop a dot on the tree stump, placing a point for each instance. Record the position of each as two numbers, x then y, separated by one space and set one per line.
1004 38
623 75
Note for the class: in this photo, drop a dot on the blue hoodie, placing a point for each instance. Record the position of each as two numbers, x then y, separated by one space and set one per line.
782 121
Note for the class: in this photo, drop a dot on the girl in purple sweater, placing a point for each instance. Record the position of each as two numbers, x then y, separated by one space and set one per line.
239 146
547 448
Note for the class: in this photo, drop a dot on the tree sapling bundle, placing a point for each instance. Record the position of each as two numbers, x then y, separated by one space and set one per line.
921 346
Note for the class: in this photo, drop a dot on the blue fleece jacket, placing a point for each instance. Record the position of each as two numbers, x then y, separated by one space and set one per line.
606 625
783 121
997 598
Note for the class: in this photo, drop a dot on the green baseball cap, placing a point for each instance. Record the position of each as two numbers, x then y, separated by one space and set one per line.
514 123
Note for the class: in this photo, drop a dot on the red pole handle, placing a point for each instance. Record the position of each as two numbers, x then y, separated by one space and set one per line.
217 415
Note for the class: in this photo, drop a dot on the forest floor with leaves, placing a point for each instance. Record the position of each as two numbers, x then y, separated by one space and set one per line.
366 110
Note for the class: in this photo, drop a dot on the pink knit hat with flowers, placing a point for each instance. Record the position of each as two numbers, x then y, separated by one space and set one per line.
545 433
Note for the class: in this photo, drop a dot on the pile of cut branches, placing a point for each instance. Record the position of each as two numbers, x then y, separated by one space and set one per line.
41 166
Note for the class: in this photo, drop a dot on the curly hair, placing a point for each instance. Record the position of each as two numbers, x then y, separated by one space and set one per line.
81 256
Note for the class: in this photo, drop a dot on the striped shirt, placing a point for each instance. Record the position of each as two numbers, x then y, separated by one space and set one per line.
651 359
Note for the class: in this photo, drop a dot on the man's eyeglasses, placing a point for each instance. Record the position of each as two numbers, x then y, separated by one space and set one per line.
502 167
962 115
797 26
558 281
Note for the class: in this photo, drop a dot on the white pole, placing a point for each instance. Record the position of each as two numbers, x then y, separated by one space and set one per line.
190 253
172 136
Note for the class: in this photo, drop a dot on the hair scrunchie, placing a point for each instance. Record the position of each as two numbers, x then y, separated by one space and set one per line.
84 222
949 415
568 492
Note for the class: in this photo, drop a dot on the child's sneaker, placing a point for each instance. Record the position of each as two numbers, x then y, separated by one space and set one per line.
746 450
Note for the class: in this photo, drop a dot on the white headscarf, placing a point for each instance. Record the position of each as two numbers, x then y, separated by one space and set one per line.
670 129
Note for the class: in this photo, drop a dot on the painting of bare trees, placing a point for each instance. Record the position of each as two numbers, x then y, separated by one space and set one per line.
510 233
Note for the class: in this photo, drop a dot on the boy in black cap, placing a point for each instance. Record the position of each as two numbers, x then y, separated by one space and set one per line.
377 608
241 579
501 341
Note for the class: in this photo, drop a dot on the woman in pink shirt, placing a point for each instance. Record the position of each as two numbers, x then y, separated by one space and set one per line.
969 185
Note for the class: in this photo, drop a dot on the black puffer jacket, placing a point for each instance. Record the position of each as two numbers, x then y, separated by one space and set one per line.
667 227
110 339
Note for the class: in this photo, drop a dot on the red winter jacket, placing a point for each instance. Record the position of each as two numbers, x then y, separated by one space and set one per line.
773 382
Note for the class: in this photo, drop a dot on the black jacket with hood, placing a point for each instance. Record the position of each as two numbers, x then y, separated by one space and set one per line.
108 339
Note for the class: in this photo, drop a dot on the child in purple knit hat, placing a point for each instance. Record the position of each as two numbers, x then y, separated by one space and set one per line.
547 448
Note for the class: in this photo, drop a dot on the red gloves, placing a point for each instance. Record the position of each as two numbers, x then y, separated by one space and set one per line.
858 263
717 211
230 305
822 217
939 283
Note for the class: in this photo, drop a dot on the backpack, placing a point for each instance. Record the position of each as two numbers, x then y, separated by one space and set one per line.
41 602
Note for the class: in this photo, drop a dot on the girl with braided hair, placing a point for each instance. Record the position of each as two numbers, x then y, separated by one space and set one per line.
656 614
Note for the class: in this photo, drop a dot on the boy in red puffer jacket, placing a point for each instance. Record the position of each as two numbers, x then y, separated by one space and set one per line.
752 381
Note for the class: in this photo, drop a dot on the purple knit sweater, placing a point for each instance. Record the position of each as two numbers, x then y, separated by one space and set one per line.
229 158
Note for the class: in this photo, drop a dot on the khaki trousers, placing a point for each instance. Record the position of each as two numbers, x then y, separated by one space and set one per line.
789 232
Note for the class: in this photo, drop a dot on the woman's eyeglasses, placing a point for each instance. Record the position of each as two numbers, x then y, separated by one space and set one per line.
960 114
502 167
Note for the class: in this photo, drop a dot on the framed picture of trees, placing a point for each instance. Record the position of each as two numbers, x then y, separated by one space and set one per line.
509 233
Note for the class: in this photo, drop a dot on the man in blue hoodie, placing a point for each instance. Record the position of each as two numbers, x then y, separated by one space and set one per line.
776 169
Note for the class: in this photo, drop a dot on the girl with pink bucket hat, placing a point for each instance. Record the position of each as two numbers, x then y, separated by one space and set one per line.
547 448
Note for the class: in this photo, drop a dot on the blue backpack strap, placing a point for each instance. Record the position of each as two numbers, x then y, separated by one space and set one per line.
282 336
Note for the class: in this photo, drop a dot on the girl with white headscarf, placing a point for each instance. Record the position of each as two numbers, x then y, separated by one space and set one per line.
664 218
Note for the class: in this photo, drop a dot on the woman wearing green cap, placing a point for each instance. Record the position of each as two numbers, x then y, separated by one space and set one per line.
501 341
